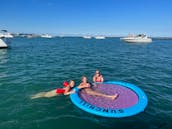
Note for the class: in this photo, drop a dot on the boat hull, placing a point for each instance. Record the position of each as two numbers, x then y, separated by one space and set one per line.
141 38
99 37
3 44
148 40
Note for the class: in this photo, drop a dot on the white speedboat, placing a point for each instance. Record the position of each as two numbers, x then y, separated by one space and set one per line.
6 35
141 38
46 36
3 44
100 37
87 37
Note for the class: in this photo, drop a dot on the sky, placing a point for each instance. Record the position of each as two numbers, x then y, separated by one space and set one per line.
87 17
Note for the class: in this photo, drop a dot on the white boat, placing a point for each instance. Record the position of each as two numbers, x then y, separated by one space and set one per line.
46 36
87 37
6 35
3 44
141 38
100 37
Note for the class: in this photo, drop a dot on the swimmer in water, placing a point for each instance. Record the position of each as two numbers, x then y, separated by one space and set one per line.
65 91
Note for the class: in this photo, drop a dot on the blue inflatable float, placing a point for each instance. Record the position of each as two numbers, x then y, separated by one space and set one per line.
131 100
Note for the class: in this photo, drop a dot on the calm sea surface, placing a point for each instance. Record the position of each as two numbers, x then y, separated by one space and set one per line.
35 65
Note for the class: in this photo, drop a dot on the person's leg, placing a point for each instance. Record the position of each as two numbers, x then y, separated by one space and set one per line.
45 94
92 92
51 94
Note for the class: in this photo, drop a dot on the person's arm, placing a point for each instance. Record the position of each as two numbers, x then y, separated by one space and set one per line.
67 91
70 92
94 79
102 79
83 86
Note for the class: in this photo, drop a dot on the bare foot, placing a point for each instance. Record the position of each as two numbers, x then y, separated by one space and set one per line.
114 96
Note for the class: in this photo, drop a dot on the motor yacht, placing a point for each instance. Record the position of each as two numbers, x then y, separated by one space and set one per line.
141 38
100 37
87 37
46 36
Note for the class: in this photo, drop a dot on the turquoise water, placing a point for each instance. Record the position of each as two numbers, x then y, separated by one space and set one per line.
34 65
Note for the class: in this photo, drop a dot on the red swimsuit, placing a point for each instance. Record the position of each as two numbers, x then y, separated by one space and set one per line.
61 90
99 79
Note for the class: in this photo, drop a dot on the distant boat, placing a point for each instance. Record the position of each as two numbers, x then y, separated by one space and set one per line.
87 37
100 37
29 36
3 44
5 34
141 38
46 36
